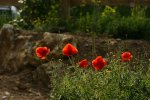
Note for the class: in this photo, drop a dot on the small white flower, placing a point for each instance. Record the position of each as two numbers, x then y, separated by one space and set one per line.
21 1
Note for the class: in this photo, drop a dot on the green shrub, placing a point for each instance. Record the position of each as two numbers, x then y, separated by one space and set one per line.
97 20
51 21
111 21
117 81
119 22
35 10
85 23
135 26
4 18
124 10
108 15
129 28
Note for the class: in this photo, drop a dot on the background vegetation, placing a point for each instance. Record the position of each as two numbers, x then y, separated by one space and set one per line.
5 17
118 21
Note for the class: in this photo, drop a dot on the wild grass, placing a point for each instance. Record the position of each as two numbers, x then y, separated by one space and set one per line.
116 81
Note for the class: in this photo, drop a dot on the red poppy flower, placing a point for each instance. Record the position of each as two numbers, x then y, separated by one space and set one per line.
83 63
126 56
99 63
42 52
69 50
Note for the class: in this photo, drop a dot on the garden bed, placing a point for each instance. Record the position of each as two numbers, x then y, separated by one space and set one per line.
22 85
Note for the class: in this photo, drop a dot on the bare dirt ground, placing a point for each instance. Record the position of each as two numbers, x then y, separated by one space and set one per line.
20 86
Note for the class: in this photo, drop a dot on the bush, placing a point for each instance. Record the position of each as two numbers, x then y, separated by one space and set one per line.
5 18
51 21
113 22
108 15
85 23
36 11
135 26
96 20
119 22
129 28
121 81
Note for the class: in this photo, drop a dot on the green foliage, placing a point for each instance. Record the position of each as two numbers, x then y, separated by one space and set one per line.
51 21
5 18
107 16
85 23
138 11
124 10
36 11
19 22
97 20
129 28
110 21
135 26
117 81
118 22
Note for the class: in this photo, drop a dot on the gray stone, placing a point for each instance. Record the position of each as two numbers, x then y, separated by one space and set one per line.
18 51
5 98
18 47
7 93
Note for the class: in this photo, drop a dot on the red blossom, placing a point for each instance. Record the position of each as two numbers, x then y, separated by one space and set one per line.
99 63
83 63
126 56
42 52
69 50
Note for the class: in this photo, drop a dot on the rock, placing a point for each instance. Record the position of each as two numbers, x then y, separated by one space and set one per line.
118 39
56 42
7 32
18 52
13 51
5 98
18 47
7 93
43 72
113 42
15 88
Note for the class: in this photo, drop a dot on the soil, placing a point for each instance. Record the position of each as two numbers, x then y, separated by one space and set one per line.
20 86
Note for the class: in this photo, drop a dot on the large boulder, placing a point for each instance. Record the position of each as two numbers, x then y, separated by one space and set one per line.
18 47
56 42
